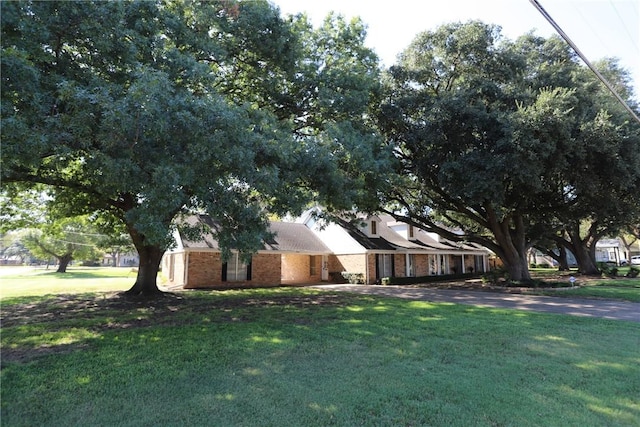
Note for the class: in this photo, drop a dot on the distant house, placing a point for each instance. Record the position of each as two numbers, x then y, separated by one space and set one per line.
130 259
612 251
378 247
294 256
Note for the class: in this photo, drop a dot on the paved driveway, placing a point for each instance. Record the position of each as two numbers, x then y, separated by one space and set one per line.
607 309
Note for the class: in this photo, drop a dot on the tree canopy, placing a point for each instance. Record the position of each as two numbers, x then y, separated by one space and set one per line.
145 110
504 140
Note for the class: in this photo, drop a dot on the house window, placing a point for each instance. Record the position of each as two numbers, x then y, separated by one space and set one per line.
384 265
411 265
411 231
235 270
312 265
374 228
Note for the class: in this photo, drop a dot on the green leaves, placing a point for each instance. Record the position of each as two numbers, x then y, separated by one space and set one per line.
505 135
145 110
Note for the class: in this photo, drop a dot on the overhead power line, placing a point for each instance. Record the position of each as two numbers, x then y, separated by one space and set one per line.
566 38
73 243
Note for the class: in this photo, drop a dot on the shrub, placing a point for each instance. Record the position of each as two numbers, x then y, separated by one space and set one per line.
336 277
633 272
494 276
608 269
354 278
427 279
542 265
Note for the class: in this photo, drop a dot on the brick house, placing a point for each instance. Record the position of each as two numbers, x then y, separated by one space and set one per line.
304 252
378 246
295 255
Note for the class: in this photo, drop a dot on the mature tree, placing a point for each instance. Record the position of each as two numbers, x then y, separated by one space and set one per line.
116 245
491 137
601 185
12 246
64 239
146 110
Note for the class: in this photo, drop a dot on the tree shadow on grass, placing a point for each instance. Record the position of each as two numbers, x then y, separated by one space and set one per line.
118 311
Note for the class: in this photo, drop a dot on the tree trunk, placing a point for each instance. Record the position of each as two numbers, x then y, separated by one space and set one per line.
146 280
63 262
518 268
563 264
586 265
560 257
509 233
585 255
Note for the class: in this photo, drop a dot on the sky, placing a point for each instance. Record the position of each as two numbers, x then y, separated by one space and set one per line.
599 28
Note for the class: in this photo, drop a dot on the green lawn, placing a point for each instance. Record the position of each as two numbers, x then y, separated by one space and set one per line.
26 281
301 357
621 288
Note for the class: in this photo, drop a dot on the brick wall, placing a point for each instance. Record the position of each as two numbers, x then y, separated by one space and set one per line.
296 269
205 271
266 270
349 263
371 264
400 264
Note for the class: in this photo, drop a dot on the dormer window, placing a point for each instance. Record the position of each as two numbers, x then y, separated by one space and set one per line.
374 228
370 226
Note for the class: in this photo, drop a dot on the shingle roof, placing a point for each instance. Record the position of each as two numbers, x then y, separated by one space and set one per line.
288 237
369 243
293 237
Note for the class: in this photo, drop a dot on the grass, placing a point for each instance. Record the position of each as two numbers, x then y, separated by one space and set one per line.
620 288
291 357
34 281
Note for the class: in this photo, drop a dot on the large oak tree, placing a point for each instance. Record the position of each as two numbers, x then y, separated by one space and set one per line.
500 140
145 110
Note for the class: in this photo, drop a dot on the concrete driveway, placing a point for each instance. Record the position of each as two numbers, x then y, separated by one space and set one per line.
606 309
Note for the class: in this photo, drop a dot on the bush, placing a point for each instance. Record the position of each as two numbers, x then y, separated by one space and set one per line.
543 265
494 276
608 269
633 272
354 278
427 279
336 277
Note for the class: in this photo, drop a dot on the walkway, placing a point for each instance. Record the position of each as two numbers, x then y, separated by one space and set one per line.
606 309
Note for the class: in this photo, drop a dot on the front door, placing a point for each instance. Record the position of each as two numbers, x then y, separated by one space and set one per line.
325 268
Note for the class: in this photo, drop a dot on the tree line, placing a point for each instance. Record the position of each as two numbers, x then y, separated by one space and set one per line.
138 112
